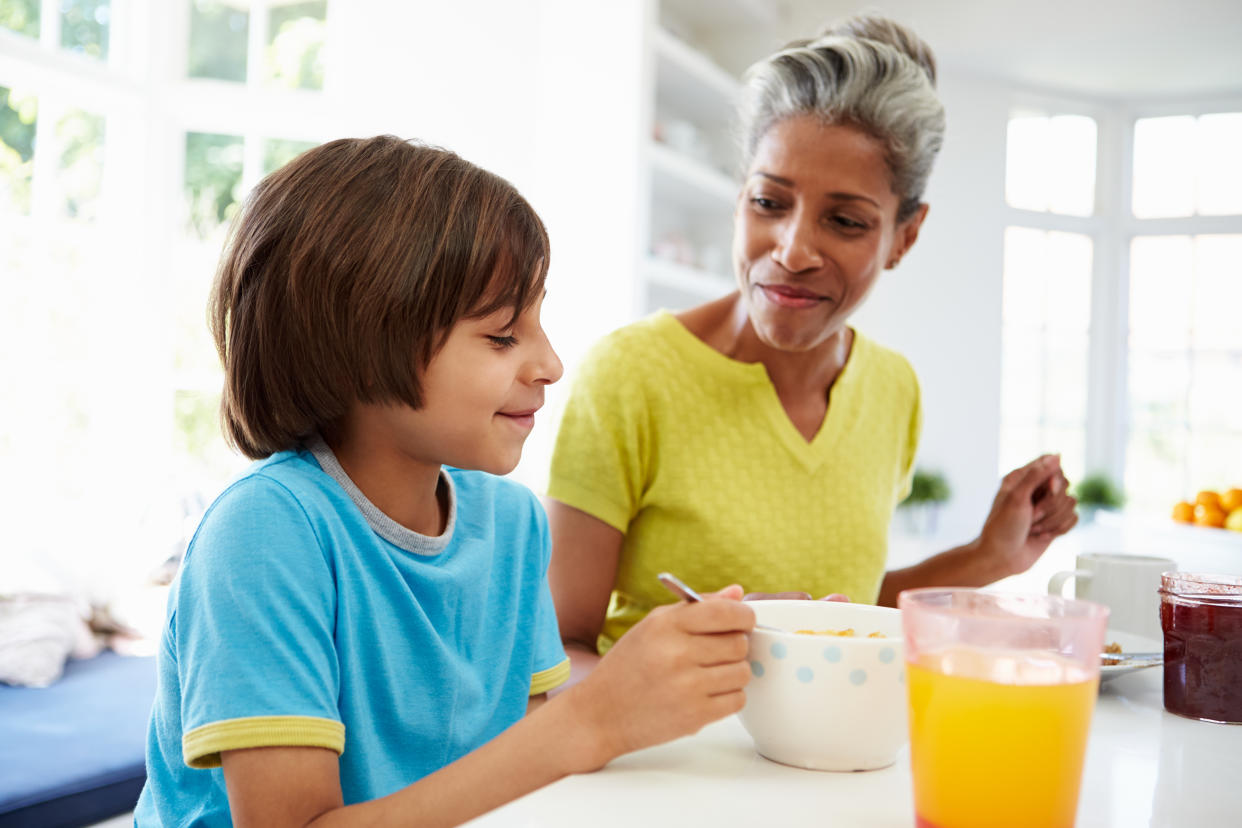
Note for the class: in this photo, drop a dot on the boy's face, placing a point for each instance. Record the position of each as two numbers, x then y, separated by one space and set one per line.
481 392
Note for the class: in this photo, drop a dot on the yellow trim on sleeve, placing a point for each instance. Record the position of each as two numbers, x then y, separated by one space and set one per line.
201 746
545 680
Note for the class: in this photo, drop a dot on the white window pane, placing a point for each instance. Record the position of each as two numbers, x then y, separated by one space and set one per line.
1219 163
21 16
1023 286
18 115
1071 444
295 45
1021 378
1164 166
1214 457
1216 393
84 26
1065 393
1161 282
1026 163
1070 165
280 151
1159 385
219 40
80 136
1218 293
1156 469
1067 276
1019 445
213 174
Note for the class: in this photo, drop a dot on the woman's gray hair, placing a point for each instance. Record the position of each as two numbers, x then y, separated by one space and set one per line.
868 72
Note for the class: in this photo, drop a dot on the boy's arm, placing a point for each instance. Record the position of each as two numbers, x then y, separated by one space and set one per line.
678 669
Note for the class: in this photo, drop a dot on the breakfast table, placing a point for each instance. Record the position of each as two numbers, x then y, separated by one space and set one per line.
1144 767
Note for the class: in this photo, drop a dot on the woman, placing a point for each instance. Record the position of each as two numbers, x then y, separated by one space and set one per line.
759 439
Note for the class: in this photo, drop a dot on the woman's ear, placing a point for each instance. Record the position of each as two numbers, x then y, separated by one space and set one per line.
907 233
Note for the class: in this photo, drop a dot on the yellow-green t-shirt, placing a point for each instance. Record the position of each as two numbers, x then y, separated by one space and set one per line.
690 454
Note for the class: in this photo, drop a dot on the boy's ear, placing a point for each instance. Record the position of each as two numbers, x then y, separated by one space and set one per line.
907 233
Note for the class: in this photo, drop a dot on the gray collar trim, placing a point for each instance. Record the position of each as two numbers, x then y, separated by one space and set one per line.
384 526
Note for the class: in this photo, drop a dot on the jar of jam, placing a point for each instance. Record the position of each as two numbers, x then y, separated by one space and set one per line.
1201 616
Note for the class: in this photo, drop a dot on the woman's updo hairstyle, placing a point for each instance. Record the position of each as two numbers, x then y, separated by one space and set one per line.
868 72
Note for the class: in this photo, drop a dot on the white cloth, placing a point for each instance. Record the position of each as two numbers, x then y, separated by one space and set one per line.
38 634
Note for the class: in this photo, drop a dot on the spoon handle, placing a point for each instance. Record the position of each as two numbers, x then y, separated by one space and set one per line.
678 588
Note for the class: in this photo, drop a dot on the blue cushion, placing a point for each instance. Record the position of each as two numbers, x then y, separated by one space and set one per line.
73 753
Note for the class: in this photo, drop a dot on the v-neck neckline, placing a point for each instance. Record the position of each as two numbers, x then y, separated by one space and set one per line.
810 454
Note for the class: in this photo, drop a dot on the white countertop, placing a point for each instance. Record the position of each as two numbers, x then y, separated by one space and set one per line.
1145 767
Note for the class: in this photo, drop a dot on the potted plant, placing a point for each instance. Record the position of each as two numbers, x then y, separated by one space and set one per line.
1094 492
928 490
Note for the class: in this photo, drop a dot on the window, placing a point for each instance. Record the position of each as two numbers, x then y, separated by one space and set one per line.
1185 291
1046 293
106 259
1172 425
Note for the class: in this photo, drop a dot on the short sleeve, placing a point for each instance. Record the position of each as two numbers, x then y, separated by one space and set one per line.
550 664
912 440
597 462
253 629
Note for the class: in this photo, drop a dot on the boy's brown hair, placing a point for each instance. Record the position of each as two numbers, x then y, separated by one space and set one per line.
344 273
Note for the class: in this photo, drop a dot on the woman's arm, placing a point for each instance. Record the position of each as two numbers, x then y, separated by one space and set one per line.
1031 509
680 668
585 552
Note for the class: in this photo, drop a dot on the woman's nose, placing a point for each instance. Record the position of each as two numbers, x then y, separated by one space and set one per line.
795 246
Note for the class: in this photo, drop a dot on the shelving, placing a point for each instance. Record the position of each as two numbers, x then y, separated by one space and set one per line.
689 158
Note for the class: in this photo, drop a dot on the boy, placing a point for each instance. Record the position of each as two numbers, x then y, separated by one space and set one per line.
358 632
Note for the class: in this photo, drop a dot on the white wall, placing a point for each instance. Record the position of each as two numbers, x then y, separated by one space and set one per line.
941 306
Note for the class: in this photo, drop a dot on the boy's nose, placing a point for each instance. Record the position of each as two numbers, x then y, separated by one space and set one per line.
548 367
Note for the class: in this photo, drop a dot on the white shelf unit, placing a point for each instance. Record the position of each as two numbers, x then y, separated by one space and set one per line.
689 157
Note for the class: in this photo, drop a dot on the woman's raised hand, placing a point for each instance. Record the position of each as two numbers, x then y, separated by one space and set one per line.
1032 508
680 668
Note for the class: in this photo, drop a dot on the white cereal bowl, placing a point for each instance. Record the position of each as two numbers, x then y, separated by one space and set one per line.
826 702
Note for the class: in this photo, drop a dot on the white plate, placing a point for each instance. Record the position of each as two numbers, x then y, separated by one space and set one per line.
1131 644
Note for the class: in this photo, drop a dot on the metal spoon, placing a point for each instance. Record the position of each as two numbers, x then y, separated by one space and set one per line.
675 586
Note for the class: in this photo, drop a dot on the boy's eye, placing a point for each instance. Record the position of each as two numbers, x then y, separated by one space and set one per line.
503 341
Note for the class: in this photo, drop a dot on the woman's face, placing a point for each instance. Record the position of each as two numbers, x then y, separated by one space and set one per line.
814 225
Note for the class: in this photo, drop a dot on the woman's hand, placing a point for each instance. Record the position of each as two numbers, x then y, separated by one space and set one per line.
1032 508
681 667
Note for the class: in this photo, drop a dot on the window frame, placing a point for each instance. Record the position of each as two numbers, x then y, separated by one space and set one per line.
1112 228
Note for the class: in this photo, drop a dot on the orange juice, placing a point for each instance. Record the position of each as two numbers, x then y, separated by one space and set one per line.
997 738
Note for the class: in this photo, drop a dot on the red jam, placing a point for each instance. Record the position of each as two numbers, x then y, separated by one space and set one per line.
1202 620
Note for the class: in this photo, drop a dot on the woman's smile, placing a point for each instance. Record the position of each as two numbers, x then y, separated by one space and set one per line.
789 296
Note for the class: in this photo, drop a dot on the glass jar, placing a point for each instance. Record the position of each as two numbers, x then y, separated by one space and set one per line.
1201 616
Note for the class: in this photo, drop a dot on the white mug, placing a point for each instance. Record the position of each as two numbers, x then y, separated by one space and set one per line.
1127 584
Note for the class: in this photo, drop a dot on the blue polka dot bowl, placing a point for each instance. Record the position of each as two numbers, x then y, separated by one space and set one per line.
826 702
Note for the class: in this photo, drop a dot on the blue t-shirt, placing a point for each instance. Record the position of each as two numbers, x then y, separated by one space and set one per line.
303 615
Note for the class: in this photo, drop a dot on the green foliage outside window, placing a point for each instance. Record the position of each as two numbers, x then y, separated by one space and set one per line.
84 26
213 175
295 45
22 16
18 115
218 41
81 138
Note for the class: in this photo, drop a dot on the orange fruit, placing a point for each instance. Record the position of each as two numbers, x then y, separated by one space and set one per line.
1209 516
1184 512
1231 500
1208 498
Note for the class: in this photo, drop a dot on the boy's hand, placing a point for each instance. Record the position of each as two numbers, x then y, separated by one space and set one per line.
681 667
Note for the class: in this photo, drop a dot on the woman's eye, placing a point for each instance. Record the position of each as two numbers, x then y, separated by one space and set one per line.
503 342
764 203
848 223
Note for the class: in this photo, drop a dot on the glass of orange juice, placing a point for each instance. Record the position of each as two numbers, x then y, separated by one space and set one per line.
1001 690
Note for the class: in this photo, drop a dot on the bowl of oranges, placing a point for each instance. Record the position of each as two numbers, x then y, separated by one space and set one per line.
1219 510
